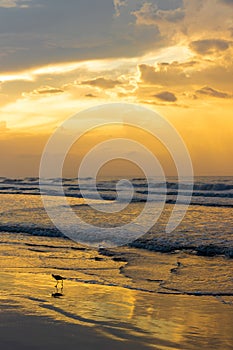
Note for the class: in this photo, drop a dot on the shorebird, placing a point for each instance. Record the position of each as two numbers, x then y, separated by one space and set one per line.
58 278
174 270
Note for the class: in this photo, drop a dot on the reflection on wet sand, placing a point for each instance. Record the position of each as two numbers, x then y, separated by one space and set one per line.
58 292
103 293
170 320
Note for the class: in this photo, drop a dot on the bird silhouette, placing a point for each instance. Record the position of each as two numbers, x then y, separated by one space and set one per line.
175 270
58 278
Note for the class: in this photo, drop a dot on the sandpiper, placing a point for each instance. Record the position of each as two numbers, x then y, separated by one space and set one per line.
58 278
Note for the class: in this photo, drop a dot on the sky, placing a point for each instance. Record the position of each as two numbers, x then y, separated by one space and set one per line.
60 57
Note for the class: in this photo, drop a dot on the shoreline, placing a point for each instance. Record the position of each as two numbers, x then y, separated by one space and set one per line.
102 305
37 320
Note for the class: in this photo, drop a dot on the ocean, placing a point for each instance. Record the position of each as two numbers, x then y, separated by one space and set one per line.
206 228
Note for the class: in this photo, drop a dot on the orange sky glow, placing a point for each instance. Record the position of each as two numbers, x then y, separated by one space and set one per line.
174 57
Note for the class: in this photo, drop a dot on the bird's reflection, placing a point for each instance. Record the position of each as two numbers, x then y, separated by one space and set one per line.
58 292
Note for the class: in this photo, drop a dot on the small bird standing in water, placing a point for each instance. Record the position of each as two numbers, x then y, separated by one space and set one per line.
58 278
175 270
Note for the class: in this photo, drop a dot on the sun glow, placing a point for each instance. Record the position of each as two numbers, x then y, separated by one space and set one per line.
170 54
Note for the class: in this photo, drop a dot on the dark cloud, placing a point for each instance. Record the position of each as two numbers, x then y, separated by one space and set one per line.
212 92
209 46
102 83
47 33
90 95
228 2
166 96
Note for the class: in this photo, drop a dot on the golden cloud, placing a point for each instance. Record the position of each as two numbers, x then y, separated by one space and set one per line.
191 73
14 3
44 90
117 5
150 14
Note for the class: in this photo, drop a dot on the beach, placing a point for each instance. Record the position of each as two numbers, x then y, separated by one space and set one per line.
161 291
109 298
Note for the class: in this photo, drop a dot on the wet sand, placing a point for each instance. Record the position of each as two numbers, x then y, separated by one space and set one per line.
18 331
